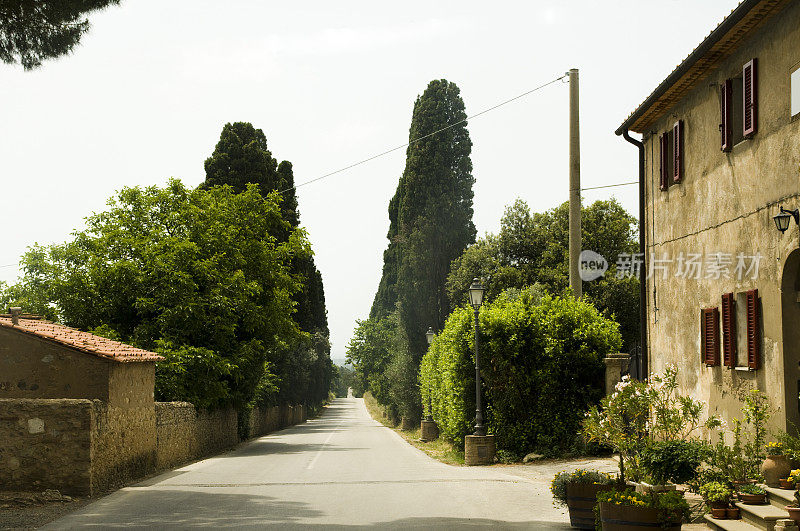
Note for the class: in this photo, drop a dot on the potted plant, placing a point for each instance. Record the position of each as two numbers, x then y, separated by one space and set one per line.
626 510
717 496
752 494
732 512
578 491
794 510
776 465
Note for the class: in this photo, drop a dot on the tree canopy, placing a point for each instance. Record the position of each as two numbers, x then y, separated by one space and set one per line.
533 248
32 31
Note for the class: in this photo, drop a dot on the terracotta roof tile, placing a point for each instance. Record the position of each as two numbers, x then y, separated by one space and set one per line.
84 341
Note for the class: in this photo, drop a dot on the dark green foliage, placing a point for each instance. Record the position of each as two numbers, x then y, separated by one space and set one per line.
675 461
541 360
32 31
534 248
430 225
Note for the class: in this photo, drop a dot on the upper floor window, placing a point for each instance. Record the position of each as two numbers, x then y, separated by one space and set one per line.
739 106
795 88
671 156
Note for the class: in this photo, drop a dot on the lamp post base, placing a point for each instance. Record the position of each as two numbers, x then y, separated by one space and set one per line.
429 430
479 450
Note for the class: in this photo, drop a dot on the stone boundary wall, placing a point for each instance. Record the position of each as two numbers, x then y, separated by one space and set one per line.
46 444
85 447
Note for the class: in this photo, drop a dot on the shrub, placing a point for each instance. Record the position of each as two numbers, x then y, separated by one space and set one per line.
715 491
675 461
542 367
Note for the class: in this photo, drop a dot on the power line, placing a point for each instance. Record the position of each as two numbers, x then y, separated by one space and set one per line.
10 265
609 186
373 157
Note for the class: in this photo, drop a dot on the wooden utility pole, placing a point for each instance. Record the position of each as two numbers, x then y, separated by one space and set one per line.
574 186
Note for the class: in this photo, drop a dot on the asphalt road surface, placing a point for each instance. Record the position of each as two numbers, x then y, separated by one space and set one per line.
342 470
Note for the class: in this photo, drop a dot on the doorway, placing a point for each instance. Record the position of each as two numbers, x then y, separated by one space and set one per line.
790 311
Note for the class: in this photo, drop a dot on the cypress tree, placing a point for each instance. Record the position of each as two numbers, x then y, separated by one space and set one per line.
430 223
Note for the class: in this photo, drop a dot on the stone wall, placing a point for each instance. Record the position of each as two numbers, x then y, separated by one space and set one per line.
46 444
87 447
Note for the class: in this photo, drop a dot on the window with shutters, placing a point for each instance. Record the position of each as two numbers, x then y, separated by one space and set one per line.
739 106
709 336
747 305
671 155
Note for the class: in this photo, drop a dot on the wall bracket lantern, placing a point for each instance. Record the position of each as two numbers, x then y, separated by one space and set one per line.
784 218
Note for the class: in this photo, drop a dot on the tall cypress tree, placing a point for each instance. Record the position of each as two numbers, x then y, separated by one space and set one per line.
430 221
435 210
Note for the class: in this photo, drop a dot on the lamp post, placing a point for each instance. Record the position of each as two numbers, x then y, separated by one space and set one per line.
428 428
476 291
429 335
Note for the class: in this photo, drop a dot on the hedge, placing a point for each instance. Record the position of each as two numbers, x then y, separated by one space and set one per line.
542 367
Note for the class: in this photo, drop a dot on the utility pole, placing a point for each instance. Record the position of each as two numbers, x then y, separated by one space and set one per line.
574 187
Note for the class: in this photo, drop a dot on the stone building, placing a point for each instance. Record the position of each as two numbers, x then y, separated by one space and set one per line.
719 158
108 437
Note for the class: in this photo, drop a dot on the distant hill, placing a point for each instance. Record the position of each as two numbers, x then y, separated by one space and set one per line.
341 362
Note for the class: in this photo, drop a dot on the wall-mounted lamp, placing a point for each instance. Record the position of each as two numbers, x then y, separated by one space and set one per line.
784 218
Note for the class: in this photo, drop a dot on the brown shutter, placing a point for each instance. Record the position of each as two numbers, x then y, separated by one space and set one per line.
677 151
753 330
710 339
726 125
728 330
750 98
663 141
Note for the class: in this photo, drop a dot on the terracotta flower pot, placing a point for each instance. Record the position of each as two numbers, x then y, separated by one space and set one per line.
786 484
733 513
581 500
718 504
720 513
630 518
775 467
753 499
794 513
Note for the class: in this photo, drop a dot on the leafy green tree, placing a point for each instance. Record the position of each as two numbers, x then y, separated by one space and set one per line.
534 248
241 157
32 31
197 274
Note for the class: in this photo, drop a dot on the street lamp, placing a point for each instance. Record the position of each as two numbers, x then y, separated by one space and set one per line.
429 335
476 299
784 217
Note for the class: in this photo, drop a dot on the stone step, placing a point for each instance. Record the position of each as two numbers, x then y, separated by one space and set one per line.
780 497
729 525
761 516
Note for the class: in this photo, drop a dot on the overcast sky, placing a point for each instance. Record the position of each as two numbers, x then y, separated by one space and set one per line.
145 96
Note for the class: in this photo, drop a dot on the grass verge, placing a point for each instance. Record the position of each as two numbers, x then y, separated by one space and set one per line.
440 449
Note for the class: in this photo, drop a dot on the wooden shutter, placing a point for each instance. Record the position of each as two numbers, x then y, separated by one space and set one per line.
677 151
663 141
710 336
753 330
726 125
728 330
750 98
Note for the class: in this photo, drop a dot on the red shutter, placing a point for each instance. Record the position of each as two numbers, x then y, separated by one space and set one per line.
750 98
753 330
726 125
677 151
728 330
663 141
710 339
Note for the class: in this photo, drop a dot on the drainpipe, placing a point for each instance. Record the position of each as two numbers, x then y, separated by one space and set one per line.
643 270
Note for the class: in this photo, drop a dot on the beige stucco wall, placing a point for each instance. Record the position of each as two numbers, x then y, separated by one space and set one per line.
725 204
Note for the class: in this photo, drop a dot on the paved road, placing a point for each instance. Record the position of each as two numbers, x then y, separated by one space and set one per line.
342 470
